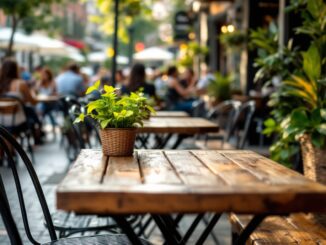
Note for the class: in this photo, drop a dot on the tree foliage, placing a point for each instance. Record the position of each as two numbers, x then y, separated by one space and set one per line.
129 11
20 10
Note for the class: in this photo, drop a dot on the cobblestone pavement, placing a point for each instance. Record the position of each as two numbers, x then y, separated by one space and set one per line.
51 164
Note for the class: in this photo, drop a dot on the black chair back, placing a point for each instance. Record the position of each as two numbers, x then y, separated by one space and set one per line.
243 122
9 144
225 115
7 218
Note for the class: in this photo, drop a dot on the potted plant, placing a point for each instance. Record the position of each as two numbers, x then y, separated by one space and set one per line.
219 89
118 118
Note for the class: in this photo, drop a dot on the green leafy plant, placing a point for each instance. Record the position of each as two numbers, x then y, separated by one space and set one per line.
272 61
220 87
307 113
233 40
111 111
192 51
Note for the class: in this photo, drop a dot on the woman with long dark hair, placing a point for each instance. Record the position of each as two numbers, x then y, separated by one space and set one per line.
137 80
12 85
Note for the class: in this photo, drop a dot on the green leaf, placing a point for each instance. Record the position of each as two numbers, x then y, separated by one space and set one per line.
314 7
317 139
323 113
105 123
316 117
321 128
270 122
80 118
109 89
94 87
92 106
312 63
299 118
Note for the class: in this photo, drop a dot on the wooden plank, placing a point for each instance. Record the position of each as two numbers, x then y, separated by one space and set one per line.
122 171
267 170
191 170
156 169
311 229
88 169
171 114
272 231
296 229
227 170
178 125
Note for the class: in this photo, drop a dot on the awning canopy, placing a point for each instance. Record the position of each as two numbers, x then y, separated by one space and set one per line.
153 54
21 42
39 43
101 56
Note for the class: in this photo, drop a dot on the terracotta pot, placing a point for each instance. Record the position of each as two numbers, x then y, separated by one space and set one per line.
118 141
314 167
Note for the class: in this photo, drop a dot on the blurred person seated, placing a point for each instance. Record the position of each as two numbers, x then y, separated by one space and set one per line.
103 75
12 85
120 79
203 83
70 82
180 92
137 81
160 84
26 76
46 86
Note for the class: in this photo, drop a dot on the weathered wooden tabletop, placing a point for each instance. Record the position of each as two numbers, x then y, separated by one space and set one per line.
156 181
170 114
186 125
47 98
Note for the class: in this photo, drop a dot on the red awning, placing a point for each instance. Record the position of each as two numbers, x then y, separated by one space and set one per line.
75 43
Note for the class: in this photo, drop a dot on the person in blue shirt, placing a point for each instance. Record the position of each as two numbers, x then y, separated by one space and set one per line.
70 82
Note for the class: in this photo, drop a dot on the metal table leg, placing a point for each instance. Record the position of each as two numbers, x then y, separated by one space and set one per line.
126 228
168 232
180 138
252 225
208 229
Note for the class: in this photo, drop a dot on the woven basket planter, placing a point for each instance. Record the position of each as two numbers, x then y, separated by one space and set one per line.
314 167
118 141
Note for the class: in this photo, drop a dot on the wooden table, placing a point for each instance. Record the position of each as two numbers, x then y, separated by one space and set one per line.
165 182
171 114
192 125
47 98
168 126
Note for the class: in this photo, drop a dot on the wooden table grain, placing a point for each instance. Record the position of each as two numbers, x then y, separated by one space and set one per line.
190 126
171 114
196 181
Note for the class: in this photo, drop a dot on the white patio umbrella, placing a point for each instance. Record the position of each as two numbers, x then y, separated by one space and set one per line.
153 54
49 46
22 42
98 57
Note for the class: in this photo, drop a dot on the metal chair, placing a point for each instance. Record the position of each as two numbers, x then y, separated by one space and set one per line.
243 122
10 106
6 140
225 115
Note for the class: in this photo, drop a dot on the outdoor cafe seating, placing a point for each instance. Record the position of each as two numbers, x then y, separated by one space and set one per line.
160 187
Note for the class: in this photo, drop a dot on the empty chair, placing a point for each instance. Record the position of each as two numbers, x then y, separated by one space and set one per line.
6 142
225 115
243 122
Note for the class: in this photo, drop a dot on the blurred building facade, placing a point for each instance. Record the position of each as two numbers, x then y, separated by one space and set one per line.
212 18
